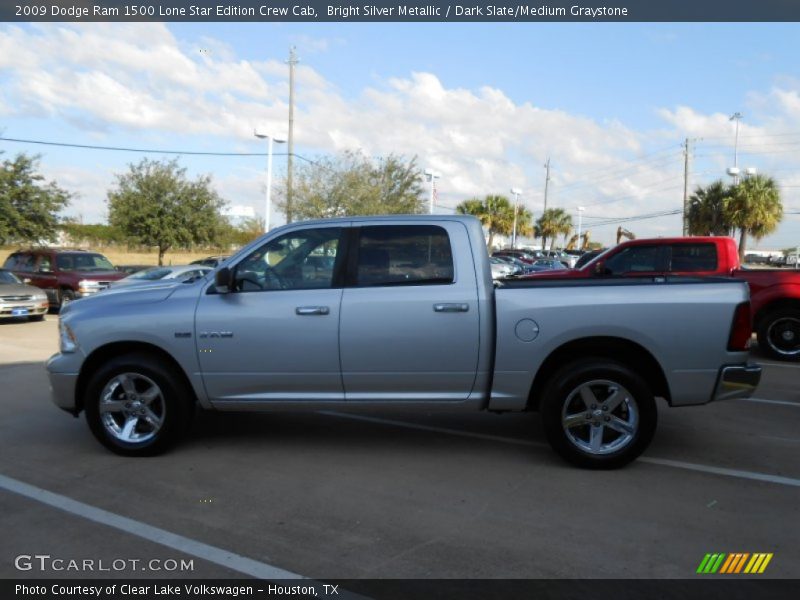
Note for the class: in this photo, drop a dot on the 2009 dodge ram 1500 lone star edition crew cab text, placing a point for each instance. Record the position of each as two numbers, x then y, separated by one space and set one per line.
396 312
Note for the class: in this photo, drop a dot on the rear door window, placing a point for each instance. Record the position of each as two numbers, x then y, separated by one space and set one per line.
391 255
693 258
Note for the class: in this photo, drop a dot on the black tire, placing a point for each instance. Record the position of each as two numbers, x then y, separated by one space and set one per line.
36 318
119 396
779 334
65 296
585 427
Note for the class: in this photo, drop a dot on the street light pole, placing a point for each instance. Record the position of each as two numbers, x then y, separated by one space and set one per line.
432 177
268 203
580 222
737 116
516 192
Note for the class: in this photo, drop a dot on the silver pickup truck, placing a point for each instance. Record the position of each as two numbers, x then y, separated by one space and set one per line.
401 311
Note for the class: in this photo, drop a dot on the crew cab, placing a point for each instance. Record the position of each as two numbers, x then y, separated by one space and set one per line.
401 312
774 293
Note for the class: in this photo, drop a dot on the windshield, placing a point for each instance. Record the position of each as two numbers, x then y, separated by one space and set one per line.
151 274
83 262
8 277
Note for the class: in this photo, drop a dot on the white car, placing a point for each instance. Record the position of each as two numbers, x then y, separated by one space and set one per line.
174 274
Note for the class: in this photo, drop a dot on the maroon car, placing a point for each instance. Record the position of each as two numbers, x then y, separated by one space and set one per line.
63 274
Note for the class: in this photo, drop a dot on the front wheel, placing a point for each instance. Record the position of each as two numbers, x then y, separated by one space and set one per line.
137 406
598 414
779 334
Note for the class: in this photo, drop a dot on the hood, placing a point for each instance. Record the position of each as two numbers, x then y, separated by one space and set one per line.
20 289
117 296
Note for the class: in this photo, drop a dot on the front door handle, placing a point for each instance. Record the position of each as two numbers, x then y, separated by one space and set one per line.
312 310
451 307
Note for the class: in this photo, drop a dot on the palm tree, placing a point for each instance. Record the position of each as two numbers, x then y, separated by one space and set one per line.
707 214
553 222
755 208
496 213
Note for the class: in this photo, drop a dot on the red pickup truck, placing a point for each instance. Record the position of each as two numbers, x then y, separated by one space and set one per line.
774 293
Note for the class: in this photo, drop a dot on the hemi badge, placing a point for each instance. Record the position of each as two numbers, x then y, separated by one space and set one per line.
183 334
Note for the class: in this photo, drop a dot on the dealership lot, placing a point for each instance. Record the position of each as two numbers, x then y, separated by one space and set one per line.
331 495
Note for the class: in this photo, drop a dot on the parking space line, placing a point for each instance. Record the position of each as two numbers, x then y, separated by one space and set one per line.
776 364
677 464
212 554
765 401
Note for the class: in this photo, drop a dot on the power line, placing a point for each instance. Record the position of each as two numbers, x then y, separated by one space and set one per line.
140 150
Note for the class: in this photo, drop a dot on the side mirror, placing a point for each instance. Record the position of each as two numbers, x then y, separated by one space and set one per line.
223 280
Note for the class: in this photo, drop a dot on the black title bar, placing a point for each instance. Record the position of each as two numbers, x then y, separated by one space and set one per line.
402 11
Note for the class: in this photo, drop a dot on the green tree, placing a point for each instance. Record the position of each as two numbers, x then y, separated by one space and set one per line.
352 184
154 204
755 208
28 206
496 214
707 213
552 223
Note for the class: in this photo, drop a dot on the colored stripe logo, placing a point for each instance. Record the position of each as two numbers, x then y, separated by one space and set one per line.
735 563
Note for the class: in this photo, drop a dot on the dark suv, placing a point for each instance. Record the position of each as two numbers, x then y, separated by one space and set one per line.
63 274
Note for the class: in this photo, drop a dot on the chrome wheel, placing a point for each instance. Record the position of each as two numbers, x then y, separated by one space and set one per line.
600 417
783 336
132 408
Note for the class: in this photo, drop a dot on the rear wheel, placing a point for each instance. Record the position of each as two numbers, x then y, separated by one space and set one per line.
598 414
779 334
137 406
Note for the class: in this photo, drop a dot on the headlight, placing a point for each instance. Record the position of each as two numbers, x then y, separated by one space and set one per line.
85 285
67 341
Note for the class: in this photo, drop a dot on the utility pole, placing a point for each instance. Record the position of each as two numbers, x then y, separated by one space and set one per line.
291 62
737 116
546 181
686 187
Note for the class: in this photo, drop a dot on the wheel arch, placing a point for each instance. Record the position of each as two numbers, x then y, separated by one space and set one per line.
110 351
624 351
773 305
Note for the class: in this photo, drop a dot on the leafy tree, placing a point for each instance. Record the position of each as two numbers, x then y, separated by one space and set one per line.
552 223
755 208
707 213
496 214
352 184
28 205
154 204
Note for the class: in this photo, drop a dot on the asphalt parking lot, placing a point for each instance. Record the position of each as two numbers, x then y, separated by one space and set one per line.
390 495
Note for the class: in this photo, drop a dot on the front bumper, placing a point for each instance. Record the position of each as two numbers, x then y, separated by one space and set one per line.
737 381
63 385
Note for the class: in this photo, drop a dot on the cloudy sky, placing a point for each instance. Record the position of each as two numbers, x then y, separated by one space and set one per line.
483 104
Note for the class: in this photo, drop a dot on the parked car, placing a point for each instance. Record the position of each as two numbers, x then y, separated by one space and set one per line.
63 274
547 264
404 316
18 299
131 269
775 293
172 273
501 268
526 256
568 260
210 261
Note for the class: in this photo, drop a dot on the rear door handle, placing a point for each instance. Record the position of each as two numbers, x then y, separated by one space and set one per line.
450 307
312 310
